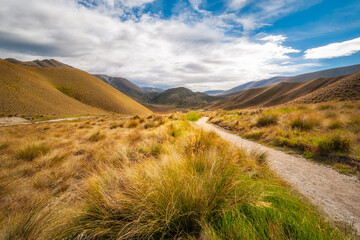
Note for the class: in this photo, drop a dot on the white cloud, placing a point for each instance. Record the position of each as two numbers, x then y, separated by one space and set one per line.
237 4
195 4
134 3
334 50
274 38
147 49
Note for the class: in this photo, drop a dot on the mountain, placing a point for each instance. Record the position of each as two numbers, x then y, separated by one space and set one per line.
346 89
333 72
275 94
253 84
127 87
183 97
214 92
60 91
39 63
153 89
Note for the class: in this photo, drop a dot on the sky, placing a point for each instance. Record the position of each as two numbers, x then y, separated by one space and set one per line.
198 44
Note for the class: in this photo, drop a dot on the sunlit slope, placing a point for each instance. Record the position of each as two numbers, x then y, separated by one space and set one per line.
35 90
275 94
347 89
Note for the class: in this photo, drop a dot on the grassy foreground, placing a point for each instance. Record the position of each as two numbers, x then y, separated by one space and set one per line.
328 132
143 178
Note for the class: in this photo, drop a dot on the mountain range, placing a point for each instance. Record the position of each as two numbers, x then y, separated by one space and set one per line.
52 87
333 72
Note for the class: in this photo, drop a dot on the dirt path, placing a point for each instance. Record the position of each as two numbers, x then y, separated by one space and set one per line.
335 193
11 121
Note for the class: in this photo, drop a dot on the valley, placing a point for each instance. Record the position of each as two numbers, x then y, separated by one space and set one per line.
96 157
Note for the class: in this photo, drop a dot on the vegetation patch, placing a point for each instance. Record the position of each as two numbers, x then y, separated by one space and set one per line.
95 137
333 144
32 150
171 181
320 131
266 120
303 123
193 116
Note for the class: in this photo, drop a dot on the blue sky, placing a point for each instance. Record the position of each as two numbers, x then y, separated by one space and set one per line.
199 44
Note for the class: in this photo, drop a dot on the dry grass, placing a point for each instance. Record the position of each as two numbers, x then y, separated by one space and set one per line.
168 181
328 132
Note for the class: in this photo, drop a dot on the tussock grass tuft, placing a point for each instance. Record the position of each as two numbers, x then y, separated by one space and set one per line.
132 124
95 137
334 143
266 120
335 124
4 145
303 123
32 150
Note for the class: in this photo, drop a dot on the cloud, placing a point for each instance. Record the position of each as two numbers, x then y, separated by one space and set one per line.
334 50
195 4
135 3
237 4
274 38
146 49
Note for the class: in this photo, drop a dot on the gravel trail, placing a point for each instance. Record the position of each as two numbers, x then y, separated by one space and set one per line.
334 193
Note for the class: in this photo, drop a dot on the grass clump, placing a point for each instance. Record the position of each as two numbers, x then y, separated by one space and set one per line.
4 145
132 124
32 150
334 144
193 116
303 123
335 124
266 120
95 137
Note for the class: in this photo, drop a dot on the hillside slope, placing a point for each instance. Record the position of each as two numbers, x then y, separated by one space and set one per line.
254 84
183 97
275 94
39 63
348 88
332 72
59 91
127 87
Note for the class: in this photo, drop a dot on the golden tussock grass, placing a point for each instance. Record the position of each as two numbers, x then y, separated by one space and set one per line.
328 132
167 181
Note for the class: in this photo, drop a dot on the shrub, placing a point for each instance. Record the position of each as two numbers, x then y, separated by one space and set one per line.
32 151
95 137
303 123
193 116
333 143
266 120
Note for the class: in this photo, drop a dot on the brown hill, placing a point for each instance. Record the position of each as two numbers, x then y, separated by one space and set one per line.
275 94
348 88
60 91
39 63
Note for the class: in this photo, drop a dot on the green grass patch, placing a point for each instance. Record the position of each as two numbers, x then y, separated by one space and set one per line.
193 116
335 143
